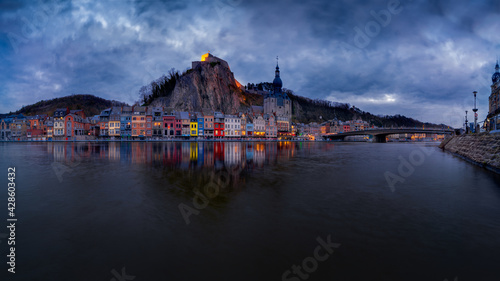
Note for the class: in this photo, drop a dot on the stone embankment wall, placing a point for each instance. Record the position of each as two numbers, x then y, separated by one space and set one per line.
482 149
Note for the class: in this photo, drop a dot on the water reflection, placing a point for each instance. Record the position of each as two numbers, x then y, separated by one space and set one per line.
186 166
183 155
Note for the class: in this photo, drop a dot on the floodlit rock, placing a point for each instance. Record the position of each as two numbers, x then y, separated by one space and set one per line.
207 86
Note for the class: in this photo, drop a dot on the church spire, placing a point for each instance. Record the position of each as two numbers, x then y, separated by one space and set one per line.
277 83
277 68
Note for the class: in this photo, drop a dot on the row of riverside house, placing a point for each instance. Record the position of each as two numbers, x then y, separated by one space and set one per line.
143 122
63 124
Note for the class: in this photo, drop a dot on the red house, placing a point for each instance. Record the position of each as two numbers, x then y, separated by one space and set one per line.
218 125
178 124
34 133
169 125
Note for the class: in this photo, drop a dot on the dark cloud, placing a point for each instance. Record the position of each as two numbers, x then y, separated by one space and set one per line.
424 61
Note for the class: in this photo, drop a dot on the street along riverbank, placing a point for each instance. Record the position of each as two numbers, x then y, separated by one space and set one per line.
480 149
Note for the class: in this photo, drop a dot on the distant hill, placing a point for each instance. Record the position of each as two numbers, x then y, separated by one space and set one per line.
90 104
305 110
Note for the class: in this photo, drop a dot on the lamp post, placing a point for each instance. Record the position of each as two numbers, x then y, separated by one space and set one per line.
475 112
466 123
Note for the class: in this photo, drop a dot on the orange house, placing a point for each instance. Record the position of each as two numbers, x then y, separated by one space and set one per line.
73 125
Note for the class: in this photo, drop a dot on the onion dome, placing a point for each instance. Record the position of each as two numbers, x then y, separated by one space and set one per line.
496 76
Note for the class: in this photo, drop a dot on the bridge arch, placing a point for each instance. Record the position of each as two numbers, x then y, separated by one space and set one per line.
380 135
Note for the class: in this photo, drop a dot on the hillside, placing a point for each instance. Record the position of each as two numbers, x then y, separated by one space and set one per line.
90 104
306 110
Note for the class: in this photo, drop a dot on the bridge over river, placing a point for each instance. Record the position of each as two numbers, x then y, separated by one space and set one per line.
380 135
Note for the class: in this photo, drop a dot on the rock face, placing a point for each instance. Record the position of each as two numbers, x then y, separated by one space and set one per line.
483 149
209 86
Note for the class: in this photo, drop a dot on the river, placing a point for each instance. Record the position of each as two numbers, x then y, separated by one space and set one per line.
250 211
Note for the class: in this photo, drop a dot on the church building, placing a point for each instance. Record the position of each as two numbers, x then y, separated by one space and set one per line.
277 103
494 101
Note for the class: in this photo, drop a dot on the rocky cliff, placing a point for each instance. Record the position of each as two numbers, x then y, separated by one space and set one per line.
481 149
209 86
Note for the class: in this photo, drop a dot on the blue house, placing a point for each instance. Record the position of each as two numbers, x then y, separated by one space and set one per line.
201 127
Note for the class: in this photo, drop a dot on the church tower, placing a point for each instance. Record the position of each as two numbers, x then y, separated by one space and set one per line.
278 103
494 101
277 83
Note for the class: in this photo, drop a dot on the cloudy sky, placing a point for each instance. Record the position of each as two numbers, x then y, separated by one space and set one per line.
422 59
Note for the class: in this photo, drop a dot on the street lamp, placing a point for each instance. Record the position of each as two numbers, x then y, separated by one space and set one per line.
475 112
466 123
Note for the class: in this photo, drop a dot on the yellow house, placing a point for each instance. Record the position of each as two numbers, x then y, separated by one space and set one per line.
114 122
114 128
193 125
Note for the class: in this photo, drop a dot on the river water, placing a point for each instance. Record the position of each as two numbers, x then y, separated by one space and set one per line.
250 211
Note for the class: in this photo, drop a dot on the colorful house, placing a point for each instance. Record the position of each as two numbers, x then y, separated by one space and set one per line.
157 122
283 125
126 122
59 121
73 125
259 126
218 125
114 127
19 128
104 122
185 121
193 125
5 132
271 129
149 122
94 129
243 124
208 124
201 123
178 124
49 127
232 126
139 122
169 124
249 127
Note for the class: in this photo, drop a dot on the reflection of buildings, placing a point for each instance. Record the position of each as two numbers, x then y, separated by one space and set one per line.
259 154
180 155
114 151
232 153
286 150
